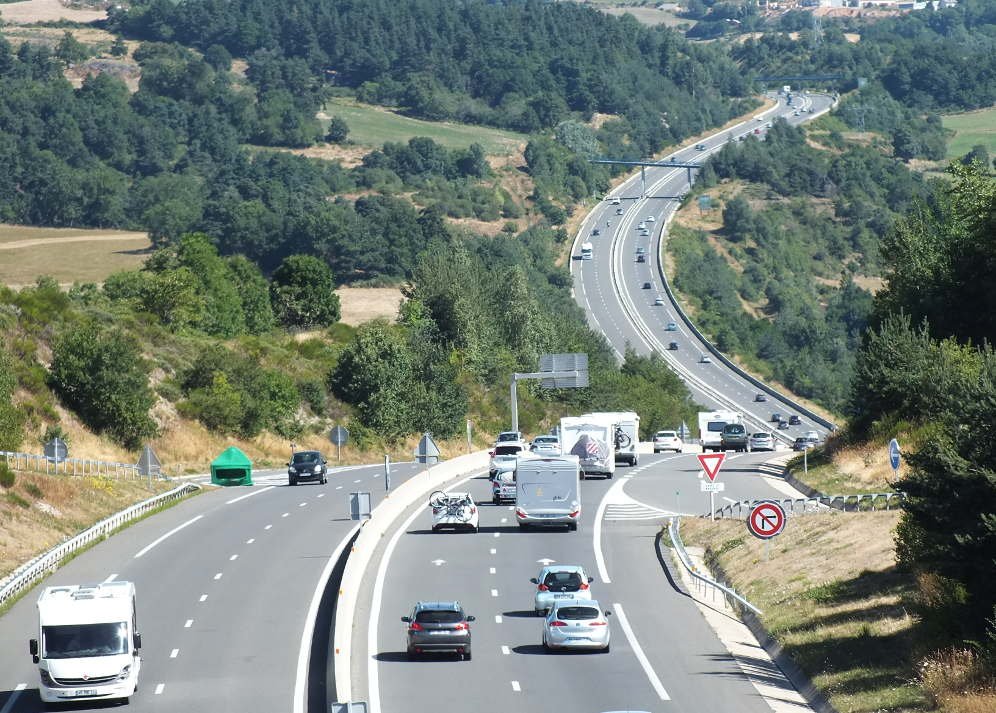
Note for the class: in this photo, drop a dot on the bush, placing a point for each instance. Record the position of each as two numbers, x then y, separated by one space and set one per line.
7 477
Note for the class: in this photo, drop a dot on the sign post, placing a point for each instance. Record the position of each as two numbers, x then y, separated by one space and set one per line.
895 454
711 463
339 436
427 451
387 471
56 451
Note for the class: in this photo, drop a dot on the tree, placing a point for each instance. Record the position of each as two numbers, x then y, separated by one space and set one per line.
303 293
219 58
118 47
254 292
338 130
70 50
100 374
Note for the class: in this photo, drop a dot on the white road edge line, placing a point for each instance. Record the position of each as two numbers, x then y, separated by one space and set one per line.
596 535
14 695
373 674
175 530
304 653
249 495
638 652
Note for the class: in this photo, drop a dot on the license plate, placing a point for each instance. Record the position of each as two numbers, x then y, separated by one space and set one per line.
577 638
438 633
80 692
563 596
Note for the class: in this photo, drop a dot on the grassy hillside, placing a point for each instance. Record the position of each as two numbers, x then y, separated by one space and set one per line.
970 129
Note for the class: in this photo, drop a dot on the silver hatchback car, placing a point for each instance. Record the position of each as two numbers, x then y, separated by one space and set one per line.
577 624
560 582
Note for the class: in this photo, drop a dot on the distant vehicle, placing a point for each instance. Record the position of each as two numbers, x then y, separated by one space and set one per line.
672 346
586 251
651 219
795 113
648 286
644 233
776 417
592 441
626 433
758 118
88 642
671 327
456 511
503 488
711 425
307 465
762 441
801 444
667 441
794 420
812 436
504 456
700 147
757 131
547 490
509 437
577 624
557 582
439 626
640 250
641 258
734 438
615 200
545 445
759 397
705 359
619 211
783 425
786 89
596 231
641 226
658 302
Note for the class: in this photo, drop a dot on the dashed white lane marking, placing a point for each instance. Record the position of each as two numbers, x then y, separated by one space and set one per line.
248 495
301 505
655 682
492 570
217 576
494 551
338 487
203 598
159 688
250 540
174 653
516 686
286 514
15 694
494 592
505 650
356 481
111 578
497 618
175 530
233 558
321 495
189 623
268 527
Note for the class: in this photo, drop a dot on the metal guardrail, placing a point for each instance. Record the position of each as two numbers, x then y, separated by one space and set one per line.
679 547
68 466
867 502
26 575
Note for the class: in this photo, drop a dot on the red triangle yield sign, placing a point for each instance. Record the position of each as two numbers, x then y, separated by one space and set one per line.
710 464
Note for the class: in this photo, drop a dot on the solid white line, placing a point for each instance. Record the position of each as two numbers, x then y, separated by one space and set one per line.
304 653
111 578
497 618
505 650
217 576
175 530
233 558
174 653
597 533
516 686
638 652
494 592
203 598
159 688
14 695
188 624
250 540
248 495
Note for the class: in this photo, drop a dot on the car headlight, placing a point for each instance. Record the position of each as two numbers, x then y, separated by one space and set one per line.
123 676
318 469
46 678
292 470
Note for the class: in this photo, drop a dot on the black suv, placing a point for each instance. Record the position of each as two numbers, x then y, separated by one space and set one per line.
306 465
734 437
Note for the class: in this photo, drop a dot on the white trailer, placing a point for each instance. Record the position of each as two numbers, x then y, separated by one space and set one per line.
711 424
626 433
87 645
590 439
547 491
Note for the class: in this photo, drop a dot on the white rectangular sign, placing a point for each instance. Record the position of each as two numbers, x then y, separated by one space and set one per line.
712 487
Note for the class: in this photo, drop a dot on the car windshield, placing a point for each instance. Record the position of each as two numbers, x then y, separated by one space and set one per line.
509 436
734 429
508 450
71 641
666 434
577 613
545 440
306 457
762 435
563 581
439 616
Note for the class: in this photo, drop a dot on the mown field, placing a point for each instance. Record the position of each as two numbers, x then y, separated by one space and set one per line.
970 129
373 126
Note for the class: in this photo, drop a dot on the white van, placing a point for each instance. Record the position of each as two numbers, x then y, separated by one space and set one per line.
547 492
87 645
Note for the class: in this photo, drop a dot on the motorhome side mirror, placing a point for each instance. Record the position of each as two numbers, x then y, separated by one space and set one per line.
137 641
33 648
471 618
406 619
534 580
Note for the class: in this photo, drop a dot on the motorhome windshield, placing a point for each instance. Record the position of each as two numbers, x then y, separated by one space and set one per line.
717 426
73 641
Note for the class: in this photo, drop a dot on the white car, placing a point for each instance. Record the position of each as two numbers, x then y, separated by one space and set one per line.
504 456
667 441
641 226
456 511
503 488
545 445
577 624
705 359
558 582
762 441
651 219
508 437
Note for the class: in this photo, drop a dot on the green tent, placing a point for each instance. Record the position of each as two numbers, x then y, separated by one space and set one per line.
232 467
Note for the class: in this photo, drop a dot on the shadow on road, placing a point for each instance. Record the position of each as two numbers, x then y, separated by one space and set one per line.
520 614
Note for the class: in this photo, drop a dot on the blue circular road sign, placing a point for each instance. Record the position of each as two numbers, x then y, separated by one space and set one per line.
894 454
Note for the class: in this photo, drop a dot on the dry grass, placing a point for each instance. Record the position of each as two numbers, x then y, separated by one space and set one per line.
855 469
31 11
67 254
362 304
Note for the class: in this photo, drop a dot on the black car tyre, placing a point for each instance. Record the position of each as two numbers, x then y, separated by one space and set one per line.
572 526
293 481
606 649
466 656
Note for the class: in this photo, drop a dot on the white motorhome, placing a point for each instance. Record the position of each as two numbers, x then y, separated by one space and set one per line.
547 491
711 424
626 433
587 252
87 645
591 440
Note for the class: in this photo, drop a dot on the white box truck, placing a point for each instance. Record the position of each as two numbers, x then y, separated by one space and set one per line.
626 433
87 645
711 424
547 491
590 439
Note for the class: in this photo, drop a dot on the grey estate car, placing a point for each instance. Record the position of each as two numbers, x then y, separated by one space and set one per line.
438 626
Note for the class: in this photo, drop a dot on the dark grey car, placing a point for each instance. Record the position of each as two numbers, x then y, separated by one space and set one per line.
438 626
307 465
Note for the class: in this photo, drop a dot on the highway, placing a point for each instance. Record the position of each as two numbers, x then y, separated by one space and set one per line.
225 584
610 286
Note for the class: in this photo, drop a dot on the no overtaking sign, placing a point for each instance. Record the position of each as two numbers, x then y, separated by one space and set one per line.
766 519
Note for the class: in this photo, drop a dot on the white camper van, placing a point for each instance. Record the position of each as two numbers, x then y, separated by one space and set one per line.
626 433
547 492
590 439
711 425
87 645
